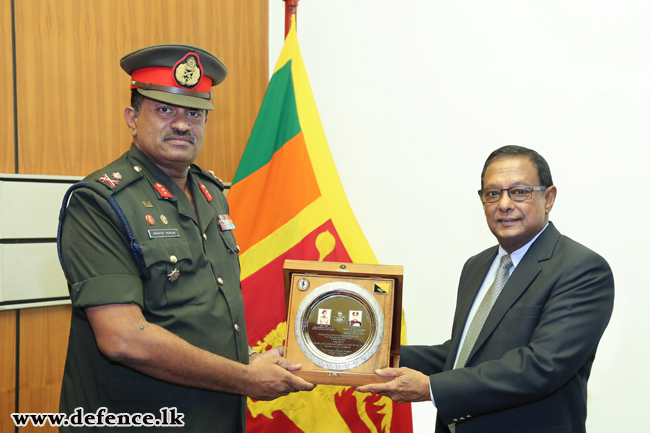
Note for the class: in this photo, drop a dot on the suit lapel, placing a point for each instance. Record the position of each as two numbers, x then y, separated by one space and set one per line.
466 296
523 275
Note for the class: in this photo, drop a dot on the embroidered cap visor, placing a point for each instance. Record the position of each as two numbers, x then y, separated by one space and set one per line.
176 74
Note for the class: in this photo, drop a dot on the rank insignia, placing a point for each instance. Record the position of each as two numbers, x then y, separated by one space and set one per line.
163 218
188 71
117 176
105 179
147 204
225 223
206 193
150 219
215 176
164 193
173 275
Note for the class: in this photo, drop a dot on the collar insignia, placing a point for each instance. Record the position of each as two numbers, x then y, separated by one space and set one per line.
206 192
164 193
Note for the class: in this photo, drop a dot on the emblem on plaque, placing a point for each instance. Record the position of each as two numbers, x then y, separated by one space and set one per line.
303 284
340 318
381 288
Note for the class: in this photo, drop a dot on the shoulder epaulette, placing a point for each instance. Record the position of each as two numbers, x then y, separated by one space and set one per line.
114 177
209 175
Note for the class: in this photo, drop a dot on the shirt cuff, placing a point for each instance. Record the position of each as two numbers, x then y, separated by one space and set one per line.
432 399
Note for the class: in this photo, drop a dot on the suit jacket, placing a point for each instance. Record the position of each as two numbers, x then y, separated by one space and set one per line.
529 367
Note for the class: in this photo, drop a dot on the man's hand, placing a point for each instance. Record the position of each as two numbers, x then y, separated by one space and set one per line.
276 351
408 385
271 378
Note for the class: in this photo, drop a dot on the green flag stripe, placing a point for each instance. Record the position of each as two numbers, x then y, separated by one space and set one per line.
277 123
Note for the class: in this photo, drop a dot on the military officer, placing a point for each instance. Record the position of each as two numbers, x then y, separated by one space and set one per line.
147 248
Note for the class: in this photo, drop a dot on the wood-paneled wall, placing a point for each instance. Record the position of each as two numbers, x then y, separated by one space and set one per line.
6 91
70 96
7 369
43 344
71 91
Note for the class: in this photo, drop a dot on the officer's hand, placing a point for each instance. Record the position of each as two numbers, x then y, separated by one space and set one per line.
270 378
276 351
408 385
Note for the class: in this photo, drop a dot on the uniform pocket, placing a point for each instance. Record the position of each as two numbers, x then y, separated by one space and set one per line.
168 279
228 239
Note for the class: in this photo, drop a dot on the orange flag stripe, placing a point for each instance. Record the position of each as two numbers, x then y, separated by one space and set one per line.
294 186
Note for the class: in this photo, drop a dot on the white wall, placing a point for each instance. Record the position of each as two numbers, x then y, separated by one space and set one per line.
414 95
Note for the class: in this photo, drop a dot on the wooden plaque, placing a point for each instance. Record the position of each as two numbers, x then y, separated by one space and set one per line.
343 320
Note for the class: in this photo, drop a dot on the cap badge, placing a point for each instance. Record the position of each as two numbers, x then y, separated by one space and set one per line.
188 71
108 181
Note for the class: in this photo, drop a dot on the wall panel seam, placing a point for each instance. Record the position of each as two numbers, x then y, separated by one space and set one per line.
13 53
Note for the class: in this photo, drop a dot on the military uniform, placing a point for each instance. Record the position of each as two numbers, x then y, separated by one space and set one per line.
186 280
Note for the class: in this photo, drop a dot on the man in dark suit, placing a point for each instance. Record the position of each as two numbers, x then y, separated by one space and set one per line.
529 315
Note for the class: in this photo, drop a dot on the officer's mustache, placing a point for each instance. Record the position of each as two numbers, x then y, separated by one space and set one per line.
175 134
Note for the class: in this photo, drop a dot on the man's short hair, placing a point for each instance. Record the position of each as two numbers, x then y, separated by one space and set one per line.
136 101
543 170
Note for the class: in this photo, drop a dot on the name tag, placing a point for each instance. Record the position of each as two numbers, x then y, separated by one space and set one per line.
163 233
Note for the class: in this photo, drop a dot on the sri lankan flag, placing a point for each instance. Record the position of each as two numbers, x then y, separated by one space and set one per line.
288 203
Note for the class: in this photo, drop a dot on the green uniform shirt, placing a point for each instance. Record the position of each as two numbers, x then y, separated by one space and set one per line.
204 305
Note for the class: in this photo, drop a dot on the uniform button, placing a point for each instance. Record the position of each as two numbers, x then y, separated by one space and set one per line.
137 168
173 259
455 419
205 237
237 249
220 281
236 327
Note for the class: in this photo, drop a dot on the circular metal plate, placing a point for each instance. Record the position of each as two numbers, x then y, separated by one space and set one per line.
339 326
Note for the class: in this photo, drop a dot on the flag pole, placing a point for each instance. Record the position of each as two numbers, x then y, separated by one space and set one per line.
290 8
